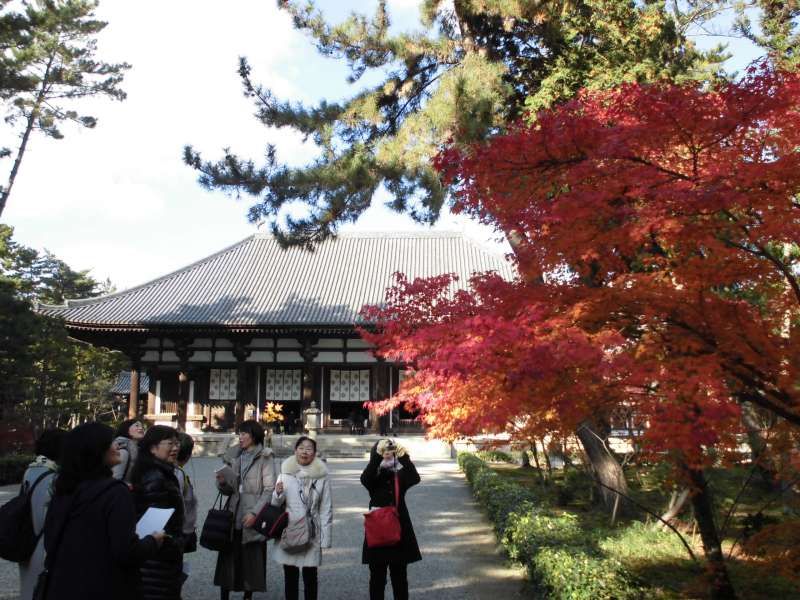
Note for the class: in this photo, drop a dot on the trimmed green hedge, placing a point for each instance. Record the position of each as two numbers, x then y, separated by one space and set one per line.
560 557
12 467
497 456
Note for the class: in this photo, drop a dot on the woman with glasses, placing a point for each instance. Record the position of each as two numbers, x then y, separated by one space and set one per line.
155 486
305 488
243 568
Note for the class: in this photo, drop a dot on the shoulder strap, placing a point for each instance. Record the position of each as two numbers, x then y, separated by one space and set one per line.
36 482
247 470
397 489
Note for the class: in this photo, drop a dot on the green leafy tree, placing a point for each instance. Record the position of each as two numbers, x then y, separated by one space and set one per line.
475 67
45 377
49 63
778 29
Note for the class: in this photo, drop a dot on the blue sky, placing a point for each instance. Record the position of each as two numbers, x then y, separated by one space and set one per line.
118 199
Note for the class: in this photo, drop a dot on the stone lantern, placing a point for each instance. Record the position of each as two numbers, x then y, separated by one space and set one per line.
312 420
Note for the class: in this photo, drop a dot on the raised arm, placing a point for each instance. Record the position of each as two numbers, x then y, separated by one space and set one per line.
408 474
369 477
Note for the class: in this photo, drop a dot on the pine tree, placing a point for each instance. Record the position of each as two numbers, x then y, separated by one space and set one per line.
778 31
46 378
48 63
476 67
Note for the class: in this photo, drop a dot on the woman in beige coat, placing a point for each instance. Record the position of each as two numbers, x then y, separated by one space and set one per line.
244 567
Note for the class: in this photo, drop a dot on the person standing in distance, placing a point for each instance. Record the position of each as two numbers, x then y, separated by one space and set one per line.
387 461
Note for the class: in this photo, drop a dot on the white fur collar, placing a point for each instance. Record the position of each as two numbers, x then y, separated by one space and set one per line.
316 470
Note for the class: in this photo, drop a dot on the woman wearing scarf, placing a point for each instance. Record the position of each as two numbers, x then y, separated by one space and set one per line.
387 461
244 567
128 435
305 487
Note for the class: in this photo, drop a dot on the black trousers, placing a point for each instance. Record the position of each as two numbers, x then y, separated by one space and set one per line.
291 582
377 580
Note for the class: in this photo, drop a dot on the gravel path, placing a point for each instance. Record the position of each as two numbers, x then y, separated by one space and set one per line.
460 558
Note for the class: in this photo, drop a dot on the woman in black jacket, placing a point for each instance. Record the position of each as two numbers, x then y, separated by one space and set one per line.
387 461
93 552
155 485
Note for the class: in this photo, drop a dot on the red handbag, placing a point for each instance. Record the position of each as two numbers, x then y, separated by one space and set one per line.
382 525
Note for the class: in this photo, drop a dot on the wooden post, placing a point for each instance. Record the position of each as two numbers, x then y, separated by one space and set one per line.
308 355
133 399
183 388
184 353
241 375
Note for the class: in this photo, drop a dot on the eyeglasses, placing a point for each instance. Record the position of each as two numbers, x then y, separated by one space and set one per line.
169 443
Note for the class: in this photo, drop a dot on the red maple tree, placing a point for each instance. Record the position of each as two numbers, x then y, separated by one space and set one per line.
655 232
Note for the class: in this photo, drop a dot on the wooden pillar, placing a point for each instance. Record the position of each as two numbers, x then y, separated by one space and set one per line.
151 392
380 374
308 373
184 353
241 352
183 391
133 399
241 392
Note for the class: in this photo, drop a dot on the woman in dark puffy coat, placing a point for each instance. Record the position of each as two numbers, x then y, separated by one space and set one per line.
155 485
389 460
93 552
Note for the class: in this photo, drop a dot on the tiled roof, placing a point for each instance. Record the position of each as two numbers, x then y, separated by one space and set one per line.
256 283
123 383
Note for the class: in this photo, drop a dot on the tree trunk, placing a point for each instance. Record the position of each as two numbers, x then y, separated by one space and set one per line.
547 462
526 461
763 465
605 468
676 505
721 587
6 192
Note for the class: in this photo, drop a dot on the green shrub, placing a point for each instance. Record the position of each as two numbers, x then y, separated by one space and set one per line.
561 558
497 456
12 467
573 573
526 534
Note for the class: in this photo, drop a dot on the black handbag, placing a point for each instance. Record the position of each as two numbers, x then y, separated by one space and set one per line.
217 531
271 521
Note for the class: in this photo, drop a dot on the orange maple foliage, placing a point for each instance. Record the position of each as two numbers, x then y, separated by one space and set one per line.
655 236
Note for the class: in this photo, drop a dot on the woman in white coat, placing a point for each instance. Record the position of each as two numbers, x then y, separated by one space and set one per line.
305 487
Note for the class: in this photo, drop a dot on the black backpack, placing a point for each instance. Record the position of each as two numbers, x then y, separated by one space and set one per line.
17 538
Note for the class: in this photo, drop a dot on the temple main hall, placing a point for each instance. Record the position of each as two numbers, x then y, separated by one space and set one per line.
255 323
